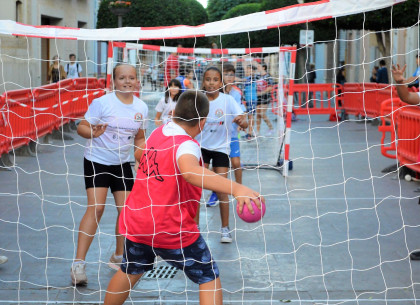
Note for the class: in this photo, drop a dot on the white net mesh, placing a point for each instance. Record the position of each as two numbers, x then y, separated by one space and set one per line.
337 229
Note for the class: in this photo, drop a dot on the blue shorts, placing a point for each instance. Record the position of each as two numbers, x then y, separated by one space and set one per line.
234 148
251 106
195 260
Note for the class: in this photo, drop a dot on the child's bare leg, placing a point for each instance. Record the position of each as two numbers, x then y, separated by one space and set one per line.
223 198
259 116
236 165
211 293
119 287
96 198
120 197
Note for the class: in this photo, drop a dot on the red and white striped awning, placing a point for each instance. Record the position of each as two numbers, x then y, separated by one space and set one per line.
294 14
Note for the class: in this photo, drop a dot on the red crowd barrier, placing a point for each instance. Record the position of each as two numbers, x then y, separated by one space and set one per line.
408 137
311 99
19 126
316 98
389 114
27 114
365 99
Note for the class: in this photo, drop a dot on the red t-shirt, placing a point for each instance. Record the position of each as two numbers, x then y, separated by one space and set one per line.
160 209
172 65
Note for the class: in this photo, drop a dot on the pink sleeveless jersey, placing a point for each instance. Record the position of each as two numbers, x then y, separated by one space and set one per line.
160 209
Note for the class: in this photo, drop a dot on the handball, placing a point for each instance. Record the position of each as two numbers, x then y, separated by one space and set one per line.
246 214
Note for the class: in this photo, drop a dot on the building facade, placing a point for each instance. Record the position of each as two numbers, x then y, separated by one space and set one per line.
25 60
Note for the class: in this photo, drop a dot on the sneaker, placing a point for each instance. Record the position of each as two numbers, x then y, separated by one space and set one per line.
249 137
225 235
212 200
415 256
78 273
270 133
3 259
115 262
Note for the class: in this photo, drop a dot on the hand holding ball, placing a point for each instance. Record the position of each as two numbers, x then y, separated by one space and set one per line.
246 214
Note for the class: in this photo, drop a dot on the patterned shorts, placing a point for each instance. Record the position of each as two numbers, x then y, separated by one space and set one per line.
195 260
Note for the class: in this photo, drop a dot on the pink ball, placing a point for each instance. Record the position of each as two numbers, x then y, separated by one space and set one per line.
246 214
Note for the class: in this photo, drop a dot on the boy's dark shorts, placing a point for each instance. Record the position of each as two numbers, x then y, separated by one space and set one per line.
116 177
195 260
219 159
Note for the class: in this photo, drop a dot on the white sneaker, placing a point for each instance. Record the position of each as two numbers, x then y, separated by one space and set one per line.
270 133
3 259
78 273
225 237
115 262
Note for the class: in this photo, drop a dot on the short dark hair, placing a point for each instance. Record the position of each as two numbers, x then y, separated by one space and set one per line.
192 106
229 68
71 55
264 65
382 62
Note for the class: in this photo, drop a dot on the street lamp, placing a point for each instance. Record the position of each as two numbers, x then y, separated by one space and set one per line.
119 8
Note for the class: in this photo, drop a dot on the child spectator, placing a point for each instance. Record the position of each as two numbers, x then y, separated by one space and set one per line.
113 124
167 104
250 92
216 135
158 217
235 154
73 69
264 86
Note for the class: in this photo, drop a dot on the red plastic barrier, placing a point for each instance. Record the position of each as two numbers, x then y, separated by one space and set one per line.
353 98
83 91
311 98
389 114
408 137
46 109
65 97
365 99
19 125
4 141
316 98
102 83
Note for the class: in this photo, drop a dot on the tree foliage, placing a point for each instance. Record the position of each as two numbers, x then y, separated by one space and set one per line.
401 15
272 37
146 13
216 9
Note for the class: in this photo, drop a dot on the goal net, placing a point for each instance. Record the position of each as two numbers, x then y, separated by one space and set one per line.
338 229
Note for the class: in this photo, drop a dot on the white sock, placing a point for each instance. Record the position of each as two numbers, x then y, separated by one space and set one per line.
79 262
118 256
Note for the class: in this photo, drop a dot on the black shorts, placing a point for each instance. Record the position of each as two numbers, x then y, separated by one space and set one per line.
116 177
219 159
195 260
263 101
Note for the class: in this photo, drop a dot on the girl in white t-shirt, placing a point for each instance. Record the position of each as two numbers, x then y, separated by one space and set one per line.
216 135
167 103
113 124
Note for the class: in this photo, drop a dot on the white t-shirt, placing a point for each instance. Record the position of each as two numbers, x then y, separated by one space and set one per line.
165 109
124 121
73 70
188 147
237 95
216 133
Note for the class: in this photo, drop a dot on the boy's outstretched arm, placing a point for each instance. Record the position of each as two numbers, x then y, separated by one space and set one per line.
200 176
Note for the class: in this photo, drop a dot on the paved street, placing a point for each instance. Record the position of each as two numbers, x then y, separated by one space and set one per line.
336 231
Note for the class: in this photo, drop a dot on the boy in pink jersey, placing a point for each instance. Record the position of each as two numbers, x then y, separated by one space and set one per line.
158 217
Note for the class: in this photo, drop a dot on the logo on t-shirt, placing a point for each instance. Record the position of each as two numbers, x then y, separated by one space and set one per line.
219 113
148 164
138 117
